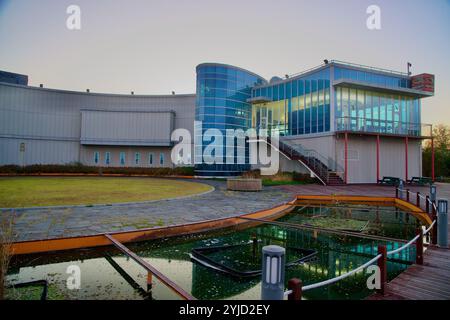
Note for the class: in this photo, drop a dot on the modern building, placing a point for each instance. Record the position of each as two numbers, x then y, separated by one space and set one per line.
341 122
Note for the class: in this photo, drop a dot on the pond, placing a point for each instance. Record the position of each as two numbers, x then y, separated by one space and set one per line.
342 238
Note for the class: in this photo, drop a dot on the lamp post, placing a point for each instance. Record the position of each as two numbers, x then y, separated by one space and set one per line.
433 193
273 267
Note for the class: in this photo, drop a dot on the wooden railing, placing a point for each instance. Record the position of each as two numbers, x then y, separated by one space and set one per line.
151 270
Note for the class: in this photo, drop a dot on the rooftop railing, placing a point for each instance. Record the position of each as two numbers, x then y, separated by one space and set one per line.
356 65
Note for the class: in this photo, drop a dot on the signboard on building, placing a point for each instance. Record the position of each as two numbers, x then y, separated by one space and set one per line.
423 82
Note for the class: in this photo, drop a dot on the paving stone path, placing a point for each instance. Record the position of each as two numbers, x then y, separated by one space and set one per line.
47 223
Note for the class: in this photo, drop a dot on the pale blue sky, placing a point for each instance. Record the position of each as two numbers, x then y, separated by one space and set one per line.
153 46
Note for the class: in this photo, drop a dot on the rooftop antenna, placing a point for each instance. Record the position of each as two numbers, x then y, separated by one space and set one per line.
326 61
409 68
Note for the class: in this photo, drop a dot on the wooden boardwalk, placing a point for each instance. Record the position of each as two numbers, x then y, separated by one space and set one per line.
430 281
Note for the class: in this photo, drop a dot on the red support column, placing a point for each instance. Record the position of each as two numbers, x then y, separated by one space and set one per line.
378 158
432 159
346 157
406 159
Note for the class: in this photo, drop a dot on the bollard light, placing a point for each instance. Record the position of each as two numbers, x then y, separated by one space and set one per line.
400 185
442 224
443 206
273 267
433 193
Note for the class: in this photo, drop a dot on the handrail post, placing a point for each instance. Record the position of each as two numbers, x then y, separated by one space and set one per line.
396 192
296 286
434 230
255 244
382 266
418 199
419 247
407 195
149 280
427 204
435 227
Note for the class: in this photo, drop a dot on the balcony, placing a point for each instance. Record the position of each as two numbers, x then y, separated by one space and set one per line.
383 127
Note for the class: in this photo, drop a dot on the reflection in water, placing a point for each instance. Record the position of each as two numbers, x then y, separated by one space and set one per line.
102 278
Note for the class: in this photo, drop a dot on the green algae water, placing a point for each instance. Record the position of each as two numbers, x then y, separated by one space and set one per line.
105 273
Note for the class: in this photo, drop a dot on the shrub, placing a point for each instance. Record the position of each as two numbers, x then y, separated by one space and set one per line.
280 178
6 239
77 168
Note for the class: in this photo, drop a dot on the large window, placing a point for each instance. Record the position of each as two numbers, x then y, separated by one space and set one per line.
298 106
122 159
363 110
161 159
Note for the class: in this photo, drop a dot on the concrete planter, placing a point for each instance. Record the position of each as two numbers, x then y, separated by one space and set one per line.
251 185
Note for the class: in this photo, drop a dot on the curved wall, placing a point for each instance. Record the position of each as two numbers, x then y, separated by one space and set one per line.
48 123
222 93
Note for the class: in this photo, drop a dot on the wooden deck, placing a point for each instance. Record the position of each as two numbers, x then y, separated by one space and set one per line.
430 281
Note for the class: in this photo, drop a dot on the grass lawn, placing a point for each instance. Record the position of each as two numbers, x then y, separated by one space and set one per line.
18 192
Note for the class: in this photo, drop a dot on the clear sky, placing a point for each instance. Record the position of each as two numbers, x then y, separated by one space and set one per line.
153 46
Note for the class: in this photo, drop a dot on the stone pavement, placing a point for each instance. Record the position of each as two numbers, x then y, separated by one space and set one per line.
46 223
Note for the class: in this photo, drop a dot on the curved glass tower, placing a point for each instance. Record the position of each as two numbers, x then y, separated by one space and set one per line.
222 94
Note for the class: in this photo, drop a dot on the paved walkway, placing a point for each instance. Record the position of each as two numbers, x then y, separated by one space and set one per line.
47 223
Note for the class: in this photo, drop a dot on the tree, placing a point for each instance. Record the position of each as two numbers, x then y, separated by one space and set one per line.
441 134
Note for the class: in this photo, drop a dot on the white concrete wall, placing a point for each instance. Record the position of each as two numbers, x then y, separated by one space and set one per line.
362 158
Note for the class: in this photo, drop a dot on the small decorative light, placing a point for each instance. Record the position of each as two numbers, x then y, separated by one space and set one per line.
443 206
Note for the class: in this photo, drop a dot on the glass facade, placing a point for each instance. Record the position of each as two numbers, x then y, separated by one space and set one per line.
222 94
372 111
298 106
232 98
380 79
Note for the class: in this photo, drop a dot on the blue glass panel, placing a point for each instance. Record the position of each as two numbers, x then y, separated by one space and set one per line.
281 91
294 88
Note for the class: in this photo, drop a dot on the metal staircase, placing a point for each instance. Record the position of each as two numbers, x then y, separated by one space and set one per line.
326 170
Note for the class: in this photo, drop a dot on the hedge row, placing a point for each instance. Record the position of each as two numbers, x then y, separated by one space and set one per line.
82 169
